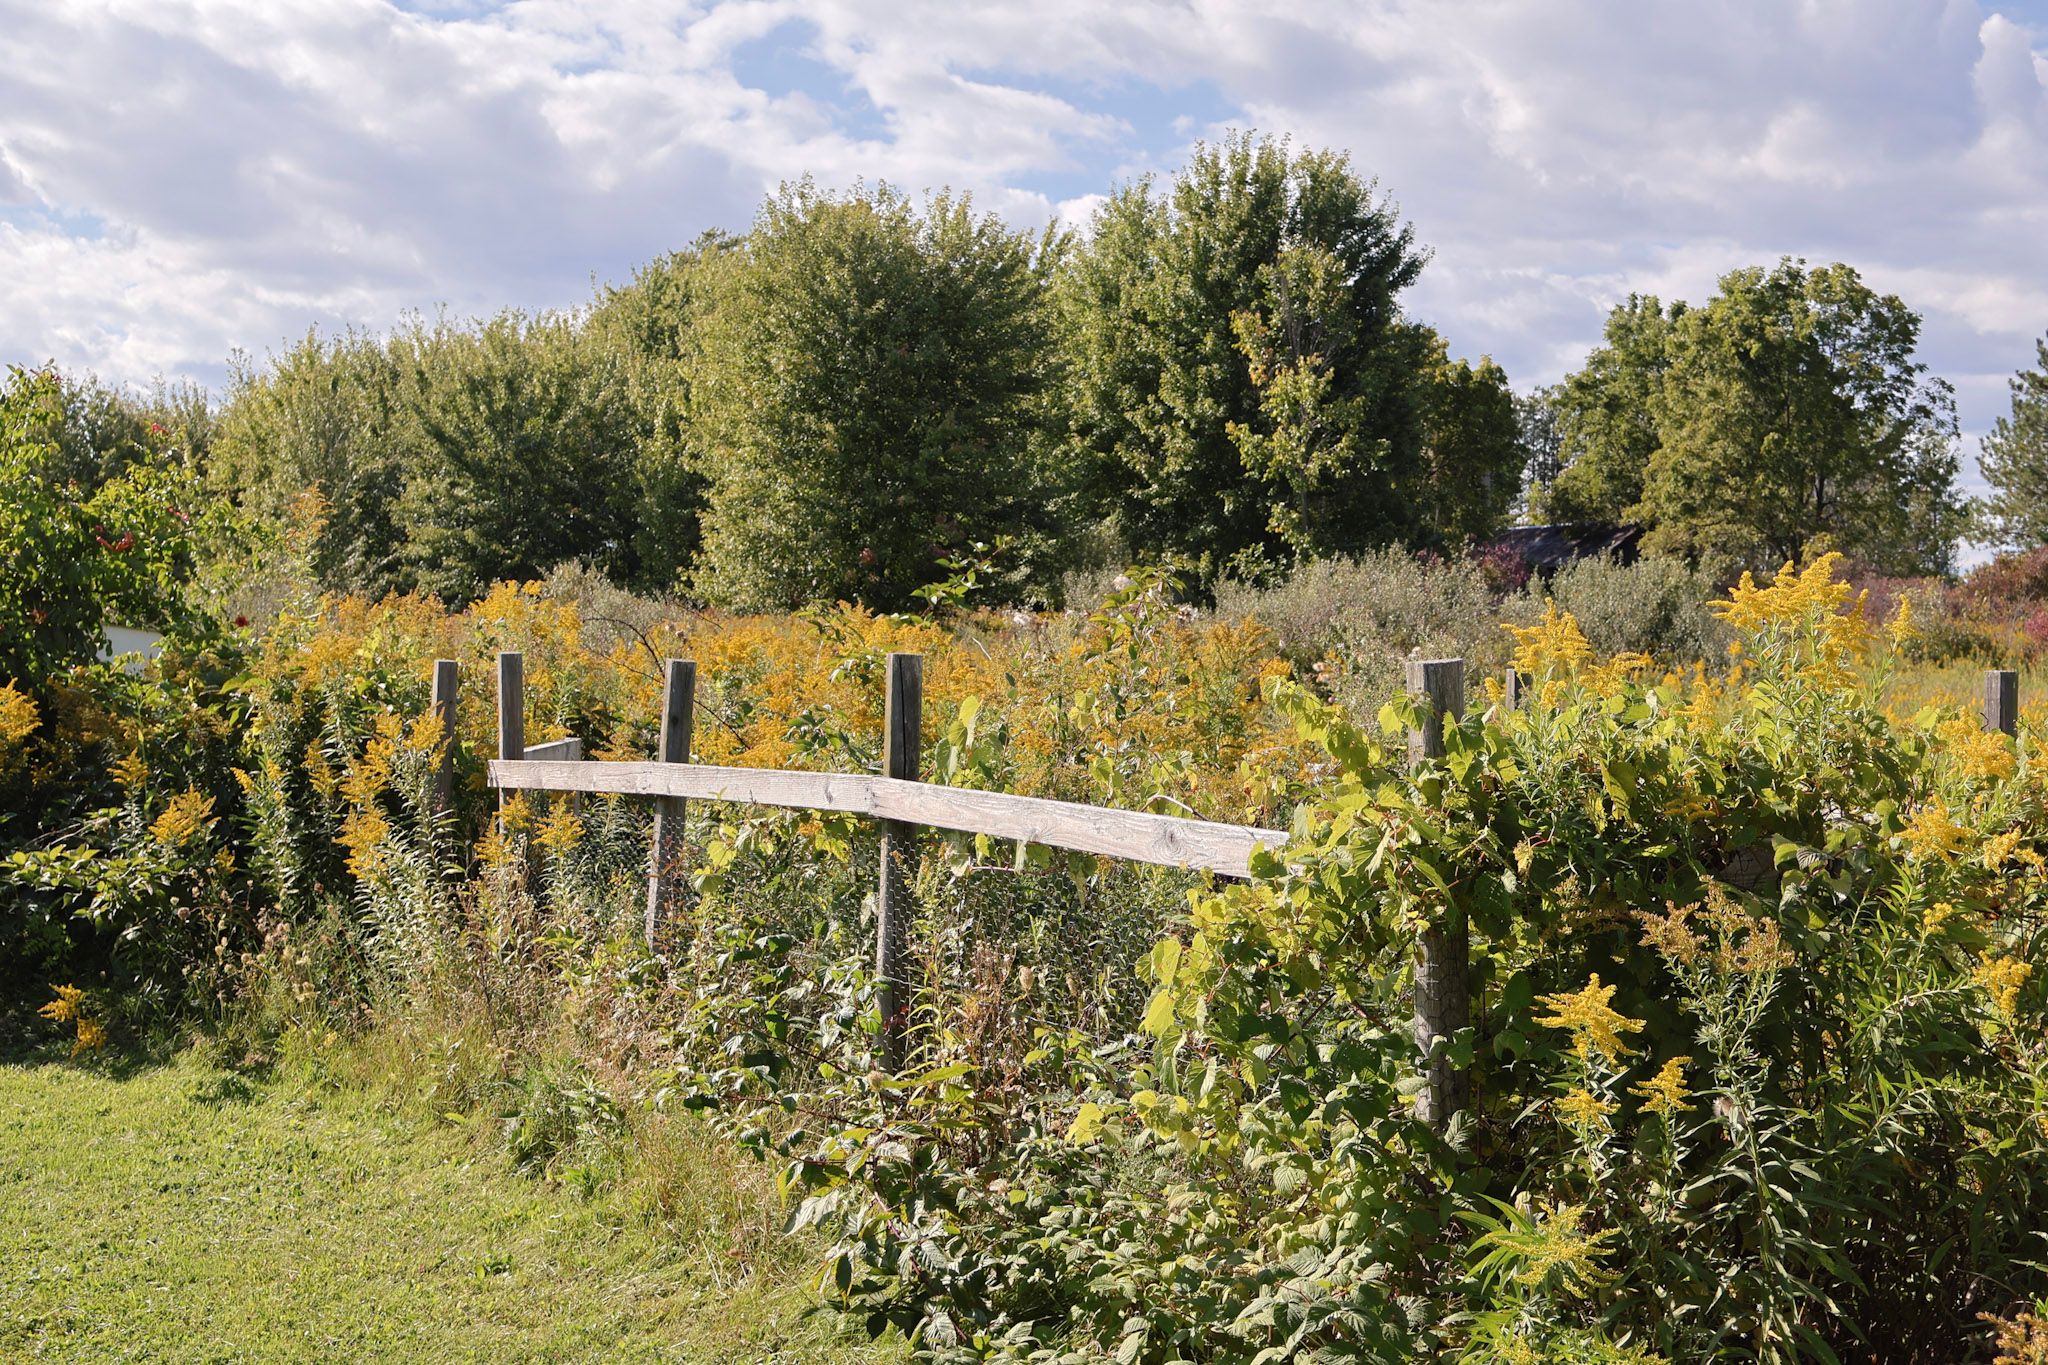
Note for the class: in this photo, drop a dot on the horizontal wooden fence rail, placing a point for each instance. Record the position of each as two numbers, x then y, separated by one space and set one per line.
1140 836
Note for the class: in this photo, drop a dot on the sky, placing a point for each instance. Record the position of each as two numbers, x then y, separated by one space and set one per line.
183 179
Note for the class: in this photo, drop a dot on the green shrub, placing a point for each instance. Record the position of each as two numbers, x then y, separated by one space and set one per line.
1755 1049
1351 622
1654 606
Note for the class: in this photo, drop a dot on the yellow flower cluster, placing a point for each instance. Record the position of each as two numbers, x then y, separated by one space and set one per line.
560 829
1585 1113
1665 1092
186 817
2009 847
69 1008
2001 978
18 717
65 1007
1804 619
1932 833
1977 753
1562 1245
1594 1024
131 770
1554 646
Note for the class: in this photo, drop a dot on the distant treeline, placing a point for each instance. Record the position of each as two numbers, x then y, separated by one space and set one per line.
866 394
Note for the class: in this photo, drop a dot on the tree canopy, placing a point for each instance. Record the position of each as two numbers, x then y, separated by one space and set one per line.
865 396
871 395
2015 461
1244 385
1787 413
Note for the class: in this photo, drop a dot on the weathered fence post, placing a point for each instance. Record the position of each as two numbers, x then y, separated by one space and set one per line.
665 860
902 736
1444 950
511 711
2002 701
442 704
1515 683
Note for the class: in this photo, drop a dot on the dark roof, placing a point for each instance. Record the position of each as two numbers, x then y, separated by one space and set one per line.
1547 547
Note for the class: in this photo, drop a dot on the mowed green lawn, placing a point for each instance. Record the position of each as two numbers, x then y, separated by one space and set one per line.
177 1212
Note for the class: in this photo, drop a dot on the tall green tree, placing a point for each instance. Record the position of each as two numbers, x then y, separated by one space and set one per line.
520 443
323 416
1243 383
872 395
650 325
1605 428
2015 461
1472 453
1542 439
1793 413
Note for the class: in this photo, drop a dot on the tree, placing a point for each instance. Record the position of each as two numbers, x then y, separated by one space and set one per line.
520 445
1791 414
2015 461
322 416
1606 432
1542 439
1472 453
1242 380
451 456
121 549
650 326
871 397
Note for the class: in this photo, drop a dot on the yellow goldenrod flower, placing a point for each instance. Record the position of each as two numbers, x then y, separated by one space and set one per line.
2000 849
1978 753
92 1036
1804 620
188 814
65 1007
1558 1243
1595 1027
363 831
1936 915
18 716
1932 833
1585 1113
1665 1092
1553 646
1903 628
560 830
2001 978
131 770
516 814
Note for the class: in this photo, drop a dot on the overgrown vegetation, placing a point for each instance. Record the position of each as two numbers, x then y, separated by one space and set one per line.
1755 1054
1754 907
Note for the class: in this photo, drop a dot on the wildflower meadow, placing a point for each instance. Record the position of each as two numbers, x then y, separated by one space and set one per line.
1754 1058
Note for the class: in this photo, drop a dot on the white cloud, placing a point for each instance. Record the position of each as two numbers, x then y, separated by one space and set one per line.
184 176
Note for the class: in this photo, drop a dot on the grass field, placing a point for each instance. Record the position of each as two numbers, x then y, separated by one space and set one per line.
179 1212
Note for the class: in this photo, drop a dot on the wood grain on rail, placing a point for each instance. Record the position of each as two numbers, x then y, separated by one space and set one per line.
1162 840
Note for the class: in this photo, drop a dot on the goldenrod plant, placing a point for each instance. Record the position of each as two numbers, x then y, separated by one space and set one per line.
1756 1049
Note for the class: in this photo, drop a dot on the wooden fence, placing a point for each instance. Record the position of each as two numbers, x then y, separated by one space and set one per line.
902 804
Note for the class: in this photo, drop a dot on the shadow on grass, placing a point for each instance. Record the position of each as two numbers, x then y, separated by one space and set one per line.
28 1039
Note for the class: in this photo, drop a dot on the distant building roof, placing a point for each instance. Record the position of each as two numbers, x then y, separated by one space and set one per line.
1544 548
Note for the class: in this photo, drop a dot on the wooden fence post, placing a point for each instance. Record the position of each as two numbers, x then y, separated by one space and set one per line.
443 706
902 737
666 857
2002 701
1516 685
1444 950
511 711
